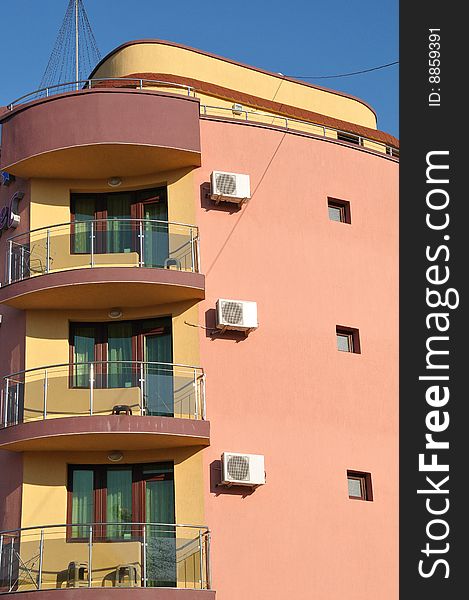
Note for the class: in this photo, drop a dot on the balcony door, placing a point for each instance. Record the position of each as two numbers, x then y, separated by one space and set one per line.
123 354
121 496
159 382
116 220
156 233
161 533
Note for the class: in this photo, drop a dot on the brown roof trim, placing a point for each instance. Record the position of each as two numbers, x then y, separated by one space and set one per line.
233 62
269 105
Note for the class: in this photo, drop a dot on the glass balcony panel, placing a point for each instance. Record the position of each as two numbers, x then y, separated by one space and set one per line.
114 242
148 555
96 388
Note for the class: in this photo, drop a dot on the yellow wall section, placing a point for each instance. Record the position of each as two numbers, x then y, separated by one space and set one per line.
50 199
160 58
47 332
45 482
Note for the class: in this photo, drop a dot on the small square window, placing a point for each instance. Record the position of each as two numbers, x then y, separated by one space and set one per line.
348 137
348 339
359 486
339 210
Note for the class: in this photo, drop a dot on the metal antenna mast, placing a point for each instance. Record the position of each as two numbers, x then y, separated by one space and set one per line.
75 52
77 70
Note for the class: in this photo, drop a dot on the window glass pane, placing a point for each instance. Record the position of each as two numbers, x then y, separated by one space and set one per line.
119 231
335 213
344 342
120 355
84 214
355 488
83 345
82 501
119 503
161 539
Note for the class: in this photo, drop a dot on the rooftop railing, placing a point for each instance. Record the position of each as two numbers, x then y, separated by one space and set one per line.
254 116
88 84
114 554
95 388
100 243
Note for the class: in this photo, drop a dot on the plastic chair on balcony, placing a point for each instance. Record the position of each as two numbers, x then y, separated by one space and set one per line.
172 262
77 574
121 408
126 576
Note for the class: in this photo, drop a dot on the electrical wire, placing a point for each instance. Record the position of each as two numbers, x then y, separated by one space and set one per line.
396 62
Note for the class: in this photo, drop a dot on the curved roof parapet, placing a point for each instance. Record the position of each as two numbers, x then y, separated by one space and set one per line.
160 56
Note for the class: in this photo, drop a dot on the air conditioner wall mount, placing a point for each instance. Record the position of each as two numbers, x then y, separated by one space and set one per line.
230 187
242 469
237 315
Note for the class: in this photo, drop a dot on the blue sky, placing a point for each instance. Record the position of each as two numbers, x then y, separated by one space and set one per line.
300 37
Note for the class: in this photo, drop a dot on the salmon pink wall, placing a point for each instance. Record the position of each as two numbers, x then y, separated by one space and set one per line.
286 391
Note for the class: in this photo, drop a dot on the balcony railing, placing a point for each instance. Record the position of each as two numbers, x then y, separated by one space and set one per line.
88 84
327 132
103 243
95 388
105 555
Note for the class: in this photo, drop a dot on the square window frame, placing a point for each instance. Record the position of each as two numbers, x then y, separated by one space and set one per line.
343 206
349 138
366 485
354 337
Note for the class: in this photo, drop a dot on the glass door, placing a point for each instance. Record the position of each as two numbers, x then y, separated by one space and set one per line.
160 531
156 233
159 381
119 236
119 355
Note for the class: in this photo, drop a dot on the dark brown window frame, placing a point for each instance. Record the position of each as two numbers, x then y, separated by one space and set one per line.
343 206
101 211
101 345
365 485
100 494
348 137
354 337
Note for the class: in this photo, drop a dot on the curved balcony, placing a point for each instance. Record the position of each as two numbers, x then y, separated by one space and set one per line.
101 132
103 263
172 560
131 405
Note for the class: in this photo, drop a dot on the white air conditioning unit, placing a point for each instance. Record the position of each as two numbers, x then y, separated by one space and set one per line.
242 469
230 187
240 315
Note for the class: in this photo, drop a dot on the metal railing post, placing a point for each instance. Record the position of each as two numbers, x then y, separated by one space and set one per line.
144 555
141 84
48 251
202 384
198 253
90 557
196 392
10 570
192 252
22 264
92 245
7 394
10 258
17 404
140 236
91 387
142 390
201 561
46 382
207 562
41 558
1 556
